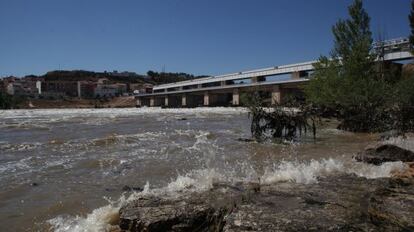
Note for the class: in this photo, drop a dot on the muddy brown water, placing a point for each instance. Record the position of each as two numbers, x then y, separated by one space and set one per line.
58 166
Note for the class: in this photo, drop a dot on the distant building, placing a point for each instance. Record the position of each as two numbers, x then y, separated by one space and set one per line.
140 88
60 88
87 89
106 90
22 86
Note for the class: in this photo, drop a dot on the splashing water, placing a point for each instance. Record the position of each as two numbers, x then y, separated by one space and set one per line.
87 154
103 218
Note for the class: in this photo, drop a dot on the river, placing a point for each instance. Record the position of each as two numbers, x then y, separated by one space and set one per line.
65 169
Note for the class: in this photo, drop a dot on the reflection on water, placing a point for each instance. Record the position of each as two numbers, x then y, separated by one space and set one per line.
67 168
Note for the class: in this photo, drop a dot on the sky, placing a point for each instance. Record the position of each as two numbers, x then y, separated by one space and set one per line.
202 37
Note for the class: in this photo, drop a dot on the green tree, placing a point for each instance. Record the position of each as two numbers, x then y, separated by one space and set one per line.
348 82
5 101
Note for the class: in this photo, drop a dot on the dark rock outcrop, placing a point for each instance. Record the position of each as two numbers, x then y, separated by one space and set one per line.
385 153
195 212
335 203
128 188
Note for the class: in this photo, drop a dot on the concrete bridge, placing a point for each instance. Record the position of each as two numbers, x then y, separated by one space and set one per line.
273 83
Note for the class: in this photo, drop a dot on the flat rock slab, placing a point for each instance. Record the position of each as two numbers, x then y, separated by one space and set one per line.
330 205
192 212
335 203
393 208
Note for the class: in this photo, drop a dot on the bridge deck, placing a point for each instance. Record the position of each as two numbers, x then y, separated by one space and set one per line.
277 70
226 87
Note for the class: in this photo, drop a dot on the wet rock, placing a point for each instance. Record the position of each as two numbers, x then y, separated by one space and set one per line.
334 203
196 212
245 140
392 209
406 173
385 153
127 188
329 205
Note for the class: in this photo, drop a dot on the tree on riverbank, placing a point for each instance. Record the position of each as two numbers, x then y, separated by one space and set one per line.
362 90
8 101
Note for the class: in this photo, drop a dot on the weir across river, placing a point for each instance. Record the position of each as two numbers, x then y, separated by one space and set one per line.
274 82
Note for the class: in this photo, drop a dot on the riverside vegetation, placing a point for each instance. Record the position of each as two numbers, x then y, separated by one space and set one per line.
366 93
354 85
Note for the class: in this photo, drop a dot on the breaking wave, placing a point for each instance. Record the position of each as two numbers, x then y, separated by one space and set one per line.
104 218
308 173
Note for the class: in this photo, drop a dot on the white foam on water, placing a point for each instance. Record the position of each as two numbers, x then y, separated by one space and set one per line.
19 147
308 172
103 218
65 114
100 219
373 171
305 173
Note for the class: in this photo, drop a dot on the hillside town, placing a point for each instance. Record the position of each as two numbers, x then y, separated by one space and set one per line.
47 88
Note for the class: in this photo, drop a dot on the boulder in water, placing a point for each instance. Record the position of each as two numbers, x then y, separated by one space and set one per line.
128 188
385 153
195 212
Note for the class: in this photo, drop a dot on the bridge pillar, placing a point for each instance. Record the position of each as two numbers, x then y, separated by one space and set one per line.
166 101
184 100
138 102
152 101
299 74
258 79
236 97
222 83
206 99
276 95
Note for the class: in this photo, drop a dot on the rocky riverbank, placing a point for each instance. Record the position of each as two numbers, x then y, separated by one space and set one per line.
343 202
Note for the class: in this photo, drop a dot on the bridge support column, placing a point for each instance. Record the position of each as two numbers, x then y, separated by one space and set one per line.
222 83
297 75
276 95
206 99
258 79
152 101
138 102
236 97
166 101
184 100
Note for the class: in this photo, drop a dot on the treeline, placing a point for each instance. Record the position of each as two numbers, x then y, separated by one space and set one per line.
81 75
165 78
124 77
9 102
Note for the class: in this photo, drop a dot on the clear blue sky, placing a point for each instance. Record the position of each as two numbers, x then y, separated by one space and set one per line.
194 36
